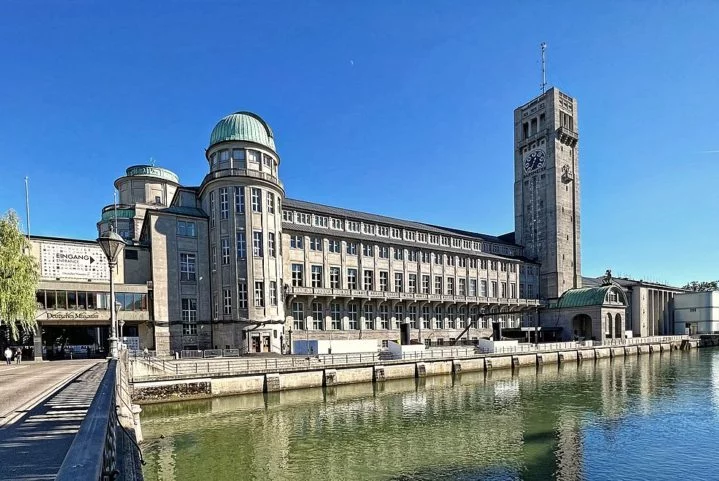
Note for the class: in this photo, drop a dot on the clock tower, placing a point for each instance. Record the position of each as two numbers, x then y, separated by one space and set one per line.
546 189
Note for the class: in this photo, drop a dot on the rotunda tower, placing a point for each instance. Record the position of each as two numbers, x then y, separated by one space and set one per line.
243 196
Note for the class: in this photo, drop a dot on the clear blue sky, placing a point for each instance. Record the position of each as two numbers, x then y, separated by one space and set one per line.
402 108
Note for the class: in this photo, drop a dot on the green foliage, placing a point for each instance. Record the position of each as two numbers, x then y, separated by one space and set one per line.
18 277
702 286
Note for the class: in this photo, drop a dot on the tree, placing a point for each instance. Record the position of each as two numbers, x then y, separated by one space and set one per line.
702 286
18 277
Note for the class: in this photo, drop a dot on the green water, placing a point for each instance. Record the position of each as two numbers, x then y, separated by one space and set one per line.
646 417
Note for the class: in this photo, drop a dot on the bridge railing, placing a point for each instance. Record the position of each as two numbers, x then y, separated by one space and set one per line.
93 453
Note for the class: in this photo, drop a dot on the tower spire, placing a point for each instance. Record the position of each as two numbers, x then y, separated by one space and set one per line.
543 46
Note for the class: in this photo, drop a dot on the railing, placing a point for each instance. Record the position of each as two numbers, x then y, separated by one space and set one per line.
520 348
93 453
633 341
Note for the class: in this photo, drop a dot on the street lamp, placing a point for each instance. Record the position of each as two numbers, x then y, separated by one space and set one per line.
112 245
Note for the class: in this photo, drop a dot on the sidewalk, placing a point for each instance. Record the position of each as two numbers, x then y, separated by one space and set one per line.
33 444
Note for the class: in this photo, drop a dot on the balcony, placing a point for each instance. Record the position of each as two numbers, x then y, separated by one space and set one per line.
567 137
410 296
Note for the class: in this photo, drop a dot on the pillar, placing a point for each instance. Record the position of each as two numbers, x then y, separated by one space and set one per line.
37 342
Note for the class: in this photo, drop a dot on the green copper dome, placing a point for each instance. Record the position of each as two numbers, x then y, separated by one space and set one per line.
243 126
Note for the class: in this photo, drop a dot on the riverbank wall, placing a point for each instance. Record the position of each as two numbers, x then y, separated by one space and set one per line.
170 388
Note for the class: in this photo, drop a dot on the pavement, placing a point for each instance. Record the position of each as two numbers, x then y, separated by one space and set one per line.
41 408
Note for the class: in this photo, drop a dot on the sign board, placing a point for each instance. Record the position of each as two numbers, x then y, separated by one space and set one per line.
132 343
73 261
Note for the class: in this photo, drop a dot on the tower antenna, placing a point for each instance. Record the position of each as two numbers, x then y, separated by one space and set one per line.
543 46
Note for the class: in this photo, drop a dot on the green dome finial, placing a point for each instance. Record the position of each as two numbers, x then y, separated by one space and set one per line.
243 126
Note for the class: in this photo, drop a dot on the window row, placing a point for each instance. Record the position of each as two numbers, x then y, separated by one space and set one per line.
383 252
260 298
347 225
238 200
81 300
333 317
258 247
427 285
243 159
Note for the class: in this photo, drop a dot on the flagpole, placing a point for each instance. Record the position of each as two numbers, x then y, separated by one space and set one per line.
27 205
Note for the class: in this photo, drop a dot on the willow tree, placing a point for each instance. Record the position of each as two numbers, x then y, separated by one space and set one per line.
18 277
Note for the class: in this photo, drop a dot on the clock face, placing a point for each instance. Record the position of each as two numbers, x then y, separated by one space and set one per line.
534 160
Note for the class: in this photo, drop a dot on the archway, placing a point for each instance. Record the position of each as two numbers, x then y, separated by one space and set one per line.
582 327
618 326
608 329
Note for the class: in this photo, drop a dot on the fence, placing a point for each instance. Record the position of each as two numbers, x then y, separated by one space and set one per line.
634 341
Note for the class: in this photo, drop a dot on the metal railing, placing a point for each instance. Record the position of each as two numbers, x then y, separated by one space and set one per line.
634 341
93 453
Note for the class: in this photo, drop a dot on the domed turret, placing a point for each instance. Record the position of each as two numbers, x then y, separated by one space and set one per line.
243 126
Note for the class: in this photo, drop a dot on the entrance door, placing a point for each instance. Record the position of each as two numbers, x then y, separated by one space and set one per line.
265 343
256 344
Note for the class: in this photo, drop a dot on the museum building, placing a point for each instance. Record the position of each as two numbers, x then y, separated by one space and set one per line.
234 264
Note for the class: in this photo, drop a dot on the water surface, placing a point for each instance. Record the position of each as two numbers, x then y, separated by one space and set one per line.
646 417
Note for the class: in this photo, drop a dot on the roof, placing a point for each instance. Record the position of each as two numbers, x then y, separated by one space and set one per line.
584 296
179 210
243 126
626 283
390 221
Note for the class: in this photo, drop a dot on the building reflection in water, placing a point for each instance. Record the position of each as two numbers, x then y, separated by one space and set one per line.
527 423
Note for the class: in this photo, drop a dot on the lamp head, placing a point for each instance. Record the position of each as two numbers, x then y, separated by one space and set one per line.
111 244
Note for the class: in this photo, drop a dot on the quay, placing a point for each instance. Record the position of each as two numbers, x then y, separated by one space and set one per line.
158 380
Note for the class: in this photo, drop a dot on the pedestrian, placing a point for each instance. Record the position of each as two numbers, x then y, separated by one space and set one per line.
146 353
8 355
18 355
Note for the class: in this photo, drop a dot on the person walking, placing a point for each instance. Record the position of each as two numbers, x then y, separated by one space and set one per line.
18 355
8 355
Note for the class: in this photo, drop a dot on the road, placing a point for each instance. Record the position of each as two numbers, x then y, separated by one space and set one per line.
43 405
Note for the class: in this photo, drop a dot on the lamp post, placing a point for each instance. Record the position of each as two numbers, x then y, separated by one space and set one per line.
112 245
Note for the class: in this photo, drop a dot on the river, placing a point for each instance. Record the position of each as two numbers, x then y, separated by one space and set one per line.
646 417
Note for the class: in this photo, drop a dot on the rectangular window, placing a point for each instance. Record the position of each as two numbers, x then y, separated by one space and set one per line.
315 244
398 254
270 203
271 244
189 317
412 256
396 233
253 156
224 203
273 293
461 287
494 265
530 291
450 260
438 318
316 276
352 248
483 264
242 295
521 290
256 200
335 277
257 244
472 287
188 270
336 313
399 314
298 314
239 200
367 250
438 284
302 218
317 316
368 229
383 231
450 286
238 155
353 226
425 256
462 262
368 275
450 317
352 315
425 317
425 284
225 250
185 229
483 288
437 258
241 245
259 294
212 209
384 252
412 283
513 290
351 278
384 281
287 216
368 316
224 155
333 246
296 241
384 316
503 291
336 223
214 258
215 306
227 303
398 278
493 289
297 275
412 314
320 221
